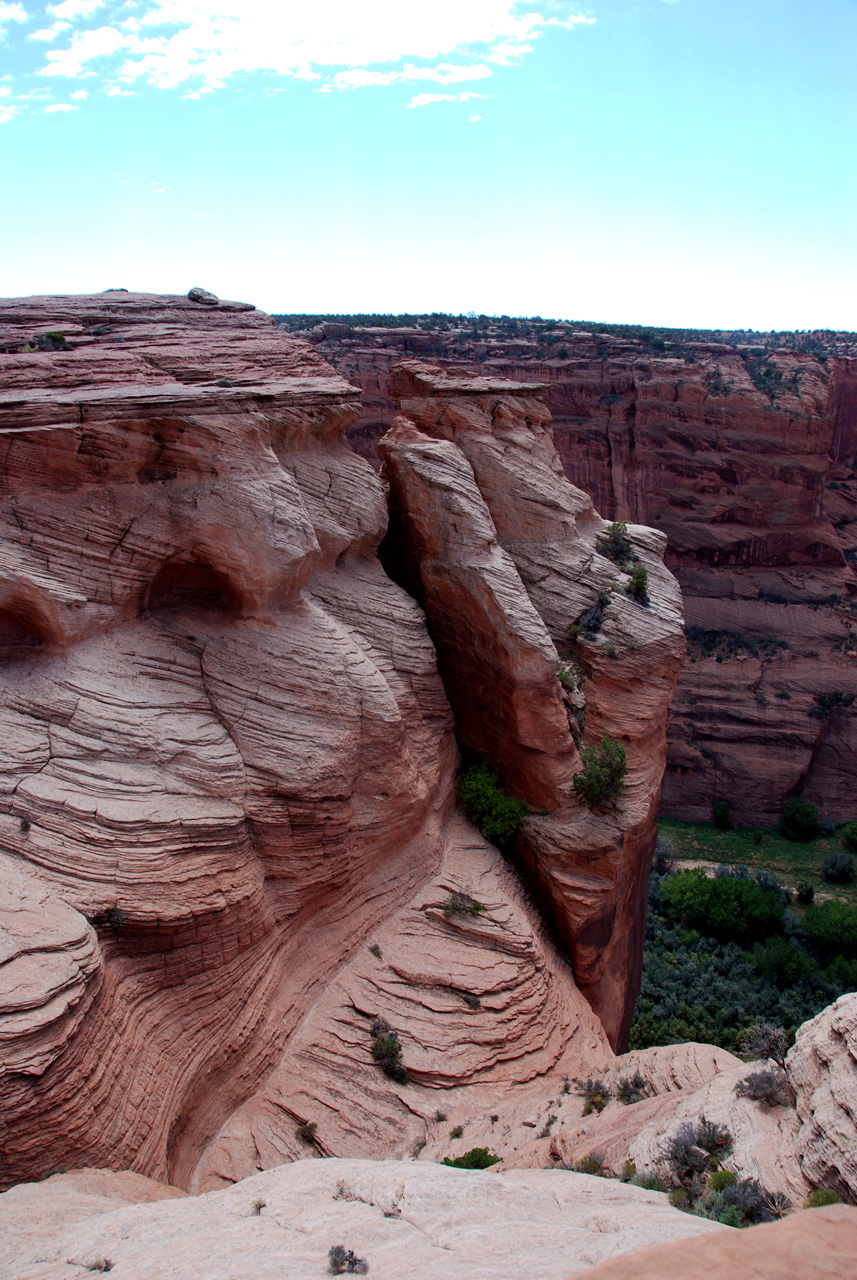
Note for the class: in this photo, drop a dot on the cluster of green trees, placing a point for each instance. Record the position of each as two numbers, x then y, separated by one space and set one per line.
724 953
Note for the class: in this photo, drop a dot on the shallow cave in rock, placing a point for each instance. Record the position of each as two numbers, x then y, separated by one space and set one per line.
20 635
191 584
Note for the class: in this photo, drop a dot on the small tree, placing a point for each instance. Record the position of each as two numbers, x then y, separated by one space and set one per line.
849 835
638 587
799 820
615 544
603 778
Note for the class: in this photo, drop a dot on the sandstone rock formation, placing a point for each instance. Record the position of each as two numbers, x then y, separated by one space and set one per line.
791 1149
230 769
505 556
742 453
823 1071
423 1221
820 1244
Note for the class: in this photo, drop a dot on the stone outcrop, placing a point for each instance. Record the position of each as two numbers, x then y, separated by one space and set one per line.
230 765
823 1071
805 1142
504 554
820 1244
193 844
421 1220
741 451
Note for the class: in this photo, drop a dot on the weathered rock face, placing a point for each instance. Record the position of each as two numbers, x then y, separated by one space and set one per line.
823 1070
743 458
420 1220
230 764
503 553
174 780
819 1244
806 1141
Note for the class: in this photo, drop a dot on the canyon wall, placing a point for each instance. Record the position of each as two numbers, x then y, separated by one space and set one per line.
743 453
228 834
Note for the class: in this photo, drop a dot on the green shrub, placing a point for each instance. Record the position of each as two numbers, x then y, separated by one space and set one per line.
783 962
387 1051
461 904
849 835
590 621
615 544
769 1086
838 868
825 703
822 1196
843 973
721 1178
475 1158
457 1132
649 1182
638 586
831 928
592 1164
726 908
805 892
679 1198
496 815
596 1095
603 778
631 1089
306 1132
799 820
722 816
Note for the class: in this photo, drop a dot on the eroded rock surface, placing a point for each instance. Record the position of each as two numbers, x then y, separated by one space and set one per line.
823 1070
228 752
423 1221
742 452
506 556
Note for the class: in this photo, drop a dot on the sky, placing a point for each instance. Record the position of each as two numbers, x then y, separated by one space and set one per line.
670 162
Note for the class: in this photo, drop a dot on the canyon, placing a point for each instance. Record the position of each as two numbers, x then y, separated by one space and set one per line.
242 673
741 449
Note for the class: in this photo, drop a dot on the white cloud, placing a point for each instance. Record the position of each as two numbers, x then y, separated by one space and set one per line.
201 44
79 94
473 119
7 114
115 91
444 73
424 99
50 33
13 13
59 106
75 8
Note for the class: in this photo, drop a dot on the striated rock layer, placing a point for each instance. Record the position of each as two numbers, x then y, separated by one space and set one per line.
230 761
504 555
743 454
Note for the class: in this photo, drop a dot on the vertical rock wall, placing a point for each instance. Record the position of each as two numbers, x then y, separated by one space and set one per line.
480 511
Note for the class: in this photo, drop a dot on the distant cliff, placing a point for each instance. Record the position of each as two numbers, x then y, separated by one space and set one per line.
742 448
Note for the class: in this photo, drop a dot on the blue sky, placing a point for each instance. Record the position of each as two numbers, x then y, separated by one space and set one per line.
687 162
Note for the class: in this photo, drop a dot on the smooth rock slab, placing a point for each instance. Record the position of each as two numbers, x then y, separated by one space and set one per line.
426 1222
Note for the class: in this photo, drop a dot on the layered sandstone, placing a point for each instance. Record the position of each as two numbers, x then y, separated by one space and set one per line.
506 557
230 769
741 452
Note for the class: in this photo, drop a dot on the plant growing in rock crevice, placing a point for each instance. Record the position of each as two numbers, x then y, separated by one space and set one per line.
595 1093
475 1158
590 621
631 1089
769 1086
340 1260
603 778
387 1051
497 816
638 585
615 544
460 903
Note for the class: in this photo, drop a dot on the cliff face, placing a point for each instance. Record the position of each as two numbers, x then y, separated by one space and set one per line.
743 456
230 759
504 555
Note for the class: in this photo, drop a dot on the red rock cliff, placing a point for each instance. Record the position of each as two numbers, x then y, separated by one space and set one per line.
742 454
